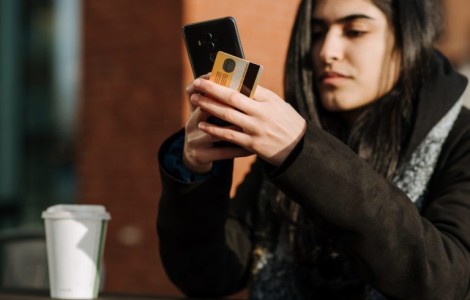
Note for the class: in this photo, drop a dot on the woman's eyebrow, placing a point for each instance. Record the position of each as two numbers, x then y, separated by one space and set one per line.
342 20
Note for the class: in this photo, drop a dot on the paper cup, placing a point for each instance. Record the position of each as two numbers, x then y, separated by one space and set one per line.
75 236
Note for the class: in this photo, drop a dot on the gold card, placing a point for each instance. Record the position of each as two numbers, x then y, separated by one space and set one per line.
236 73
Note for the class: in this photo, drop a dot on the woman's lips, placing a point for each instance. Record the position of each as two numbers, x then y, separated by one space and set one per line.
331 78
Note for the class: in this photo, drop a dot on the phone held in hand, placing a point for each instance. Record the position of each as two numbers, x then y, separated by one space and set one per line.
203 40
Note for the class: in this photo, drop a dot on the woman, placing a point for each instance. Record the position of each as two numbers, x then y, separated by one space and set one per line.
361 189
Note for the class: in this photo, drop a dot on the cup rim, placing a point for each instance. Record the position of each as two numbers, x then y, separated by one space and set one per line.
76 211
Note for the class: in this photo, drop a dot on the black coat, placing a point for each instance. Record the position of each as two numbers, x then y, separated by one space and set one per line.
206 238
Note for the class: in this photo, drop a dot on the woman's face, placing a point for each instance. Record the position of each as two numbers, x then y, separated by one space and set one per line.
354 56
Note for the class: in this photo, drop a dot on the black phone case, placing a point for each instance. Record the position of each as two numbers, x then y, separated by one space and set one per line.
203 40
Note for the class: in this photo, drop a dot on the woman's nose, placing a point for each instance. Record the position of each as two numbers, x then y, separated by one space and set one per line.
332 48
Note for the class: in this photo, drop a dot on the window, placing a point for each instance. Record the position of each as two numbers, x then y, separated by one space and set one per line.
39 88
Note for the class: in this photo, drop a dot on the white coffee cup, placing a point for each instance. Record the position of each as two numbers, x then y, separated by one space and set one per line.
75 236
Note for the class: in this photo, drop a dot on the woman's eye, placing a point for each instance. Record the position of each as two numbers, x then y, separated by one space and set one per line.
354 33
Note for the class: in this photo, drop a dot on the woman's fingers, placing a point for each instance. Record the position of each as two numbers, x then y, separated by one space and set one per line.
230 134
190 89
199 150
270 127
200 153
198 115
224 95
221 110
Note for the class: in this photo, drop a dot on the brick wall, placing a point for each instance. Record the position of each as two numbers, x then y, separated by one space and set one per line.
455 40
134 71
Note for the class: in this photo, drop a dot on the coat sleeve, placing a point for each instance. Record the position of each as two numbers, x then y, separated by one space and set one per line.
204 236
401 253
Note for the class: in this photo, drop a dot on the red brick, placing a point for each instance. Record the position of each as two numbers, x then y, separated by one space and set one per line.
134 71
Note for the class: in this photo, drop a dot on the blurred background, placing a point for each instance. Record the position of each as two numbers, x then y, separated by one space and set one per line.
88 92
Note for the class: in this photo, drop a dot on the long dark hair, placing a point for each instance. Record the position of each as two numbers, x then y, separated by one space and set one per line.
382 130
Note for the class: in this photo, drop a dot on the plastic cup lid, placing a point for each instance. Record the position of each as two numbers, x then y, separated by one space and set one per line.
76 211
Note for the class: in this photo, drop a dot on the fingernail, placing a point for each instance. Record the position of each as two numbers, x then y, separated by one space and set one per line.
197 82
194 98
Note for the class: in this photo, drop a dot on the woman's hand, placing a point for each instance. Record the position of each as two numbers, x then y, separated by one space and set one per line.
267 125
199 151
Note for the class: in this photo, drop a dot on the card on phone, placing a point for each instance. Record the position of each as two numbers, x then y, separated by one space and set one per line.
236 73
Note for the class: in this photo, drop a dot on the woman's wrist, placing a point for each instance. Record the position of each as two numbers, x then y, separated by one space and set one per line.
194 167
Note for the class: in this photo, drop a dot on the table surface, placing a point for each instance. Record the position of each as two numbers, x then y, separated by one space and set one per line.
44 295
35 294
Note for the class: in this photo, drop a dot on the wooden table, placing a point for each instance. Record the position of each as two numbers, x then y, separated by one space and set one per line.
44 295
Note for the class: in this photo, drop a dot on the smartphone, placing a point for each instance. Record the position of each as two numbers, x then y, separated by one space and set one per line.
203 40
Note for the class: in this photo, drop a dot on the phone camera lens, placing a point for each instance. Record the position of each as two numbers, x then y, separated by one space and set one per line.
208 36
210 46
